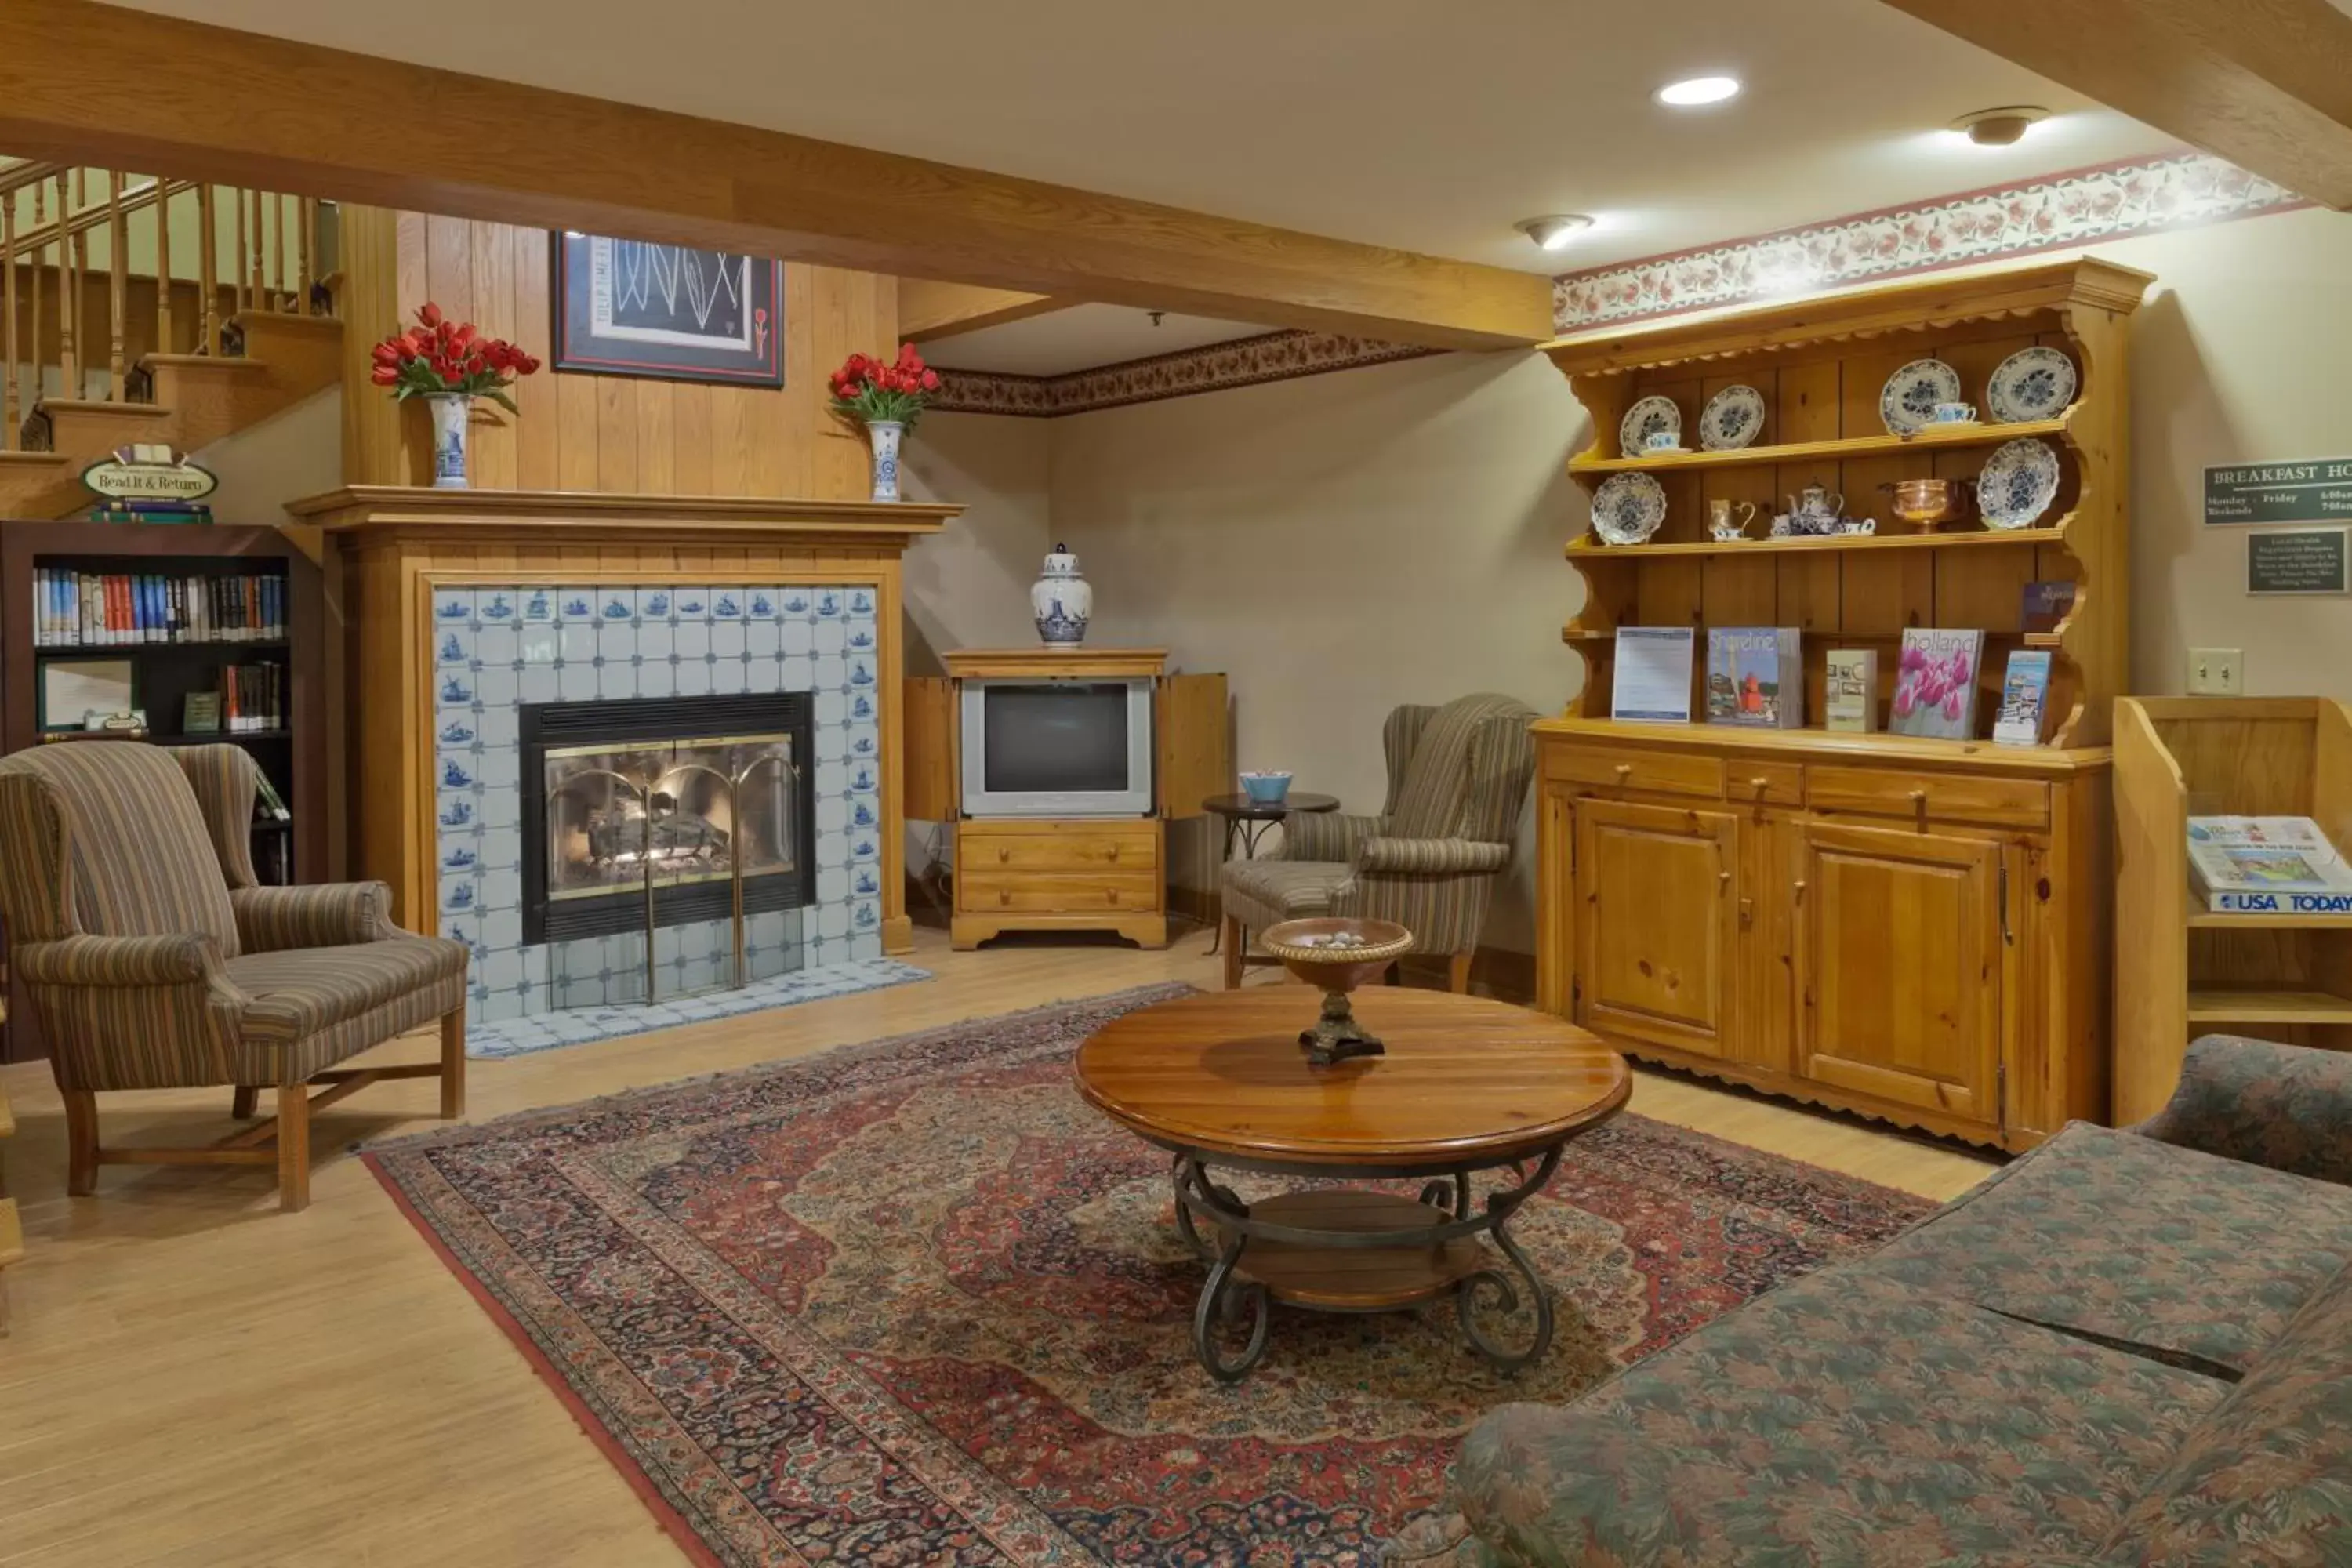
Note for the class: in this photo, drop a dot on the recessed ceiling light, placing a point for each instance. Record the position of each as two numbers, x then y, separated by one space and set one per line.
1699 89
2004 127
1554 231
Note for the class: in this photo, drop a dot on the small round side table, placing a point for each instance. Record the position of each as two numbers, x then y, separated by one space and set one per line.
1247 820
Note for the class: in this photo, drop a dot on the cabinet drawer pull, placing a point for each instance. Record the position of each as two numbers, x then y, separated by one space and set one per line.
1114 853
1003 895
1918 797
1005 852
1760 784
1801 891
1624 771
1112 895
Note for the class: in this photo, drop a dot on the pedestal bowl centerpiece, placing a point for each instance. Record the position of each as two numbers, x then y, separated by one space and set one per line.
1336 955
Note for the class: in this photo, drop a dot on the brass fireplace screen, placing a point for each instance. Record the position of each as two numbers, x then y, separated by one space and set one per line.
649 815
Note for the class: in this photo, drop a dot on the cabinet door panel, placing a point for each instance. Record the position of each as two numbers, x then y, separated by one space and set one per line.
1899 967
1658 923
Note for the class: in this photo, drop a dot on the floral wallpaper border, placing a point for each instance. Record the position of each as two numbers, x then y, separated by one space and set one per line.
1244 361
2109 201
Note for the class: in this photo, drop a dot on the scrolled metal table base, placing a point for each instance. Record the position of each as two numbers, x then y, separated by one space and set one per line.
1229 1295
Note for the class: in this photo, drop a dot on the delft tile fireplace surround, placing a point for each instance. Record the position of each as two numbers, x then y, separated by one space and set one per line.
468 609
498 649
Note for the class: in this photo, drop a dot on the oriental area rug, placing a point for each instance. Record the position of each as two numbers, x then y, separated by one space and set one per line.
915 1303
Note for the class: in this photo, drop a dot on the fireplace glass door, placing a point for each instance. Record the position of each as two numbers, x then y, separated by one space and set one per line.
694 810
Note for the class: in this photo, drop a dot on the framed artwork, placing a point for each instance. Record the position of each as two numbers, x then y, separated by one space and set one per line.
630 307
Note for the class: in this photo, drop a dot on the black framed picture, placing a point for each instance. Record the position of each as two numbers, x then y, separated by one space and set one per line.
630 307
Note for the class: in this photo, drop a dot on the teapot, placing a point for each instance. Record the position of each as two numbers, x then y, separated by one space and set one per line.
1816 503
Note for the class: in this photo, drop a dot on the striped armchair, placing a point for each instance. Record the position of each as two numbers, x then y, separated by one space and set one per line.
154 961
1458 776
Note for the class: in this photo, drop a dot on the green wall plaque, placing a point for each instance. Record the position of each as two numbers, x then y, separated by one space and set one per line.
2297 561
2314 489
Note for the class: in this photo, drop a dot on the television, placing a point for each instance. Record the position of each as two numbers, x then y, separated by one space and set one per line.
1061 747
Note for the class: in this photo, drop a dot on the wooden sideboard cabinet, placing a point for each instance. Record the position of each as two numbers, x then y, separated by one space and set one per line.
1913 930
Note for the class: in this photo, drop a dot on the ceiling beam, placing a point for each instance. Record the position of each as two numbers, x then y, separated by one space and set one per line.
2266 84
928 309
98 84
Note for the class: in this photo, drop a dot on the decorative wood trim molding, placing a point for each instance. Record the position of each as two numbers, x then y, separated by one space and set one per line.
2108 201
1244 361
422 511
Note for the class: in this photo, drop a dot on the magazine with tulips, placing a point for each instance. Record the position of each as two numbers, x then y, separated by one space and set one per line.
1936 684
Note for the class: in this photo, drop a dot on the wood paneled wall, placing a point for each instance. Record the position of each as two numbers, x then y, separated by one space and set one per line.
620 433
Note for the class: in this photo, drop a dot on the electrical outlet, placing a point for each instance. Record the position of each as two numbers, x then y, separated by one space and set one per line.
2216 672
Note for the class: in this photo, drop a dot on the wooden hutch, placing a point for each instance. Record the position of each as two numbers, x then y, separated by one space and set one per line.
1913 929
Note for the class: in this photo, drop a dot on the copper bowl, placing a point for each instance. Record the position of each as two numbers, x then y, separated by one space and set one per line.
1365 950
1924 503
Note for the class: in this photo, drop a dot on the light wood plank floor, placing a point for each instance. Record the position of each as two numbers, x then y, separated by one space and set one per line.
195 1380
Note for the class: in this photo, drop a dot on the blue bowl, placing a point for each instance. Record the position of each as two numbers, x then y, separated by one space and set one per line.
1266 789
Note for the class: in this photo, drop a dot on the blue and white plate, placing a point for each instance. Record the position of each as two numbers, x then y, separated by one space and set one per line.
2018 482
1732 418
2032 384
1628 508
1912 392
1649 414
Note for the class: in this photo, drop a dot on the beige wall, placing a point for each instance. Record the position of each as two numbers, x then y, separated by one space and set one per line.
969 587
2238 356
1337 545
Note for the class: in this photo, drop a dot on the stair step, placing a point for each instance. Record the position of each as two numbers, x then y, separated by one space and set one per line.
205 362
100 405
290 320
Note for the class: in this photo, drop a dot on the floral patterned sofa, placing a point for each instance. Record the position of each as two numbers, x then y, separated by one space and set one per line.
2126 1347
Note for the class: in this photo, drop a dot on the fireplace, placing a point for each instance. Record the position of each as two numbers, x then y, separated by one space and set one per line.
642 812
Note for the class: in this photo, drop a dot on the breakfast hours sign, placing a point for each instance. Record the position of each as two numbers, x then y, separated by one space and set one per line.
2317 489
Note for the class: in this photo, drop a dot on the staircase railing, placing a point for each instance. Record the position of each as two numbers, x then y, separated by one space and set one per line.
62 336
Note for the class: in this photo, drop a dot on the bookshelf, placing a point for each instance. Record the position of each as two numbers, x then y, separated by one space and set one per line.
1915 930
290 751
2183 971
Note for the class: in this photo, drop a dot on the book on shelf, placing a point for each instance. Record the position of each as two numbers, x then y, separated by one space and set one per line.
252 697
2024 698
2267 865
1651 682
112 609
1755 676
1849 690
1936 684
268 806
2045 605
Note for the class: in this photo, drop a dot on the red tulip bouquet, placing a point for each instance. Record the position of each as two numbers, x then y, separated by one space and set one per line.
873 391
440 358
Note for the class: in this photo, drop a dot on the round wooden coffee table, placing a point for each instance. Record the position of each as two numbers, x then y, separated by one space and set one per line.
1466 1085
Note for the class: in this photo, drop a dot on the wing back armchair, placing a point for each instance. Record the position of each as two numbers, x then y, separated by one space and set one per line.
1458 778
155 961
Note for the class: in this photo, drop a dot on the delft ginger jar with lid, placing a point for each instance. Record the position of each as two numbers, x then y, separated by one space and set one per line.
1062 600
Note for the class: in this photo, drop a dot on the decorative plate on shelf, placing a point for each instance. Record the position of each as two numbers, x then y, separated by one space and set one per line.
2032 384
1732 418
2018 482
1628 508
1650 414
1912 392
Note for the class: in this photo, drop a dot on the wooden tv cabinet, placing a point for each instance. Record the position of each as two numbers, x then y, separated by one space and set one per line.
1083 873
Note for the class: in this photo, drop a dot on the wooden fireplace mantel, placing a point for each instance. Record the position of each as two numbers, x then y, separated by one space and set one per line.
390 547
409 511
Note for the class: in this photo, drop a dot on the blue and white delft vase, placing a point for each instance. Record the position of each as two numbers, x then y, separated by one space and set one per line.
884 434
1062 600
450 413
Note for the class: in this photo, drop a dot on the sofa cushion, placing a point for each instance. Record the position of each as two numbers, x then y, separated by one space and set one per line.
2199 1259
2267 1477
1845 1418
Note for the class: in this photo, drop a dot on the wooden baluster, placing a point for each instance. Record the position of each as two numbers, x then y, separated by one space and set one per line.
303 280
277 205
40 252
254 299
117 283
8 318
69 295
163 265
207 272
244 253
